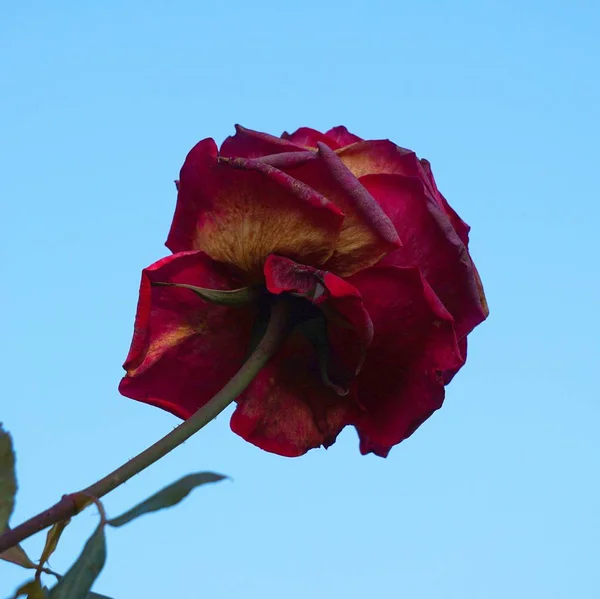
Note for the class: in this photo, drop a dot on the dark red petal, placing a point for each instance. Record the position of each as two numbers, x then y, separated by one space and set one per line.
287 409
381 156
184 350
305 136
386 158
289 160
348 321
349 327
460 226
448 374
239 211
342 136
367 233
247 143
401 383
482 298
431 243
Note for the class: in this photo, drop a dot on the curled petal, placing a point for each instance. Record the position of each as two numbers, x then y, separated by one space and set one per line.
247 143
430 243
290 160
460 226
348 324
239 211
367 233
382 157
289 409
305 136
342 136
401 383
184 349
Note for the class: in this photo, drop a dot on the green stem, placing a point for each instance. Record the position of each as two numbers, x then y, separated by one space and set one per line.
71 504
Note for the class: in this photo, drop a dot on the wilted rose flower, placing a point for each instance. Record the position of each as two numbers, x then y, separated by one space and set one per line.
376 259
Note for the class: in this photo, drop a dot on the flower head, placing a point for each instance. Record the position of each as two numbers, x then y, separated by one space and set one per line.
358 236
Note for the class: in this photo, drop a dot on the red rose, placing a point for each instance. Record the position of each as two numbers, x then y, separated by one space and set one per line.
358 232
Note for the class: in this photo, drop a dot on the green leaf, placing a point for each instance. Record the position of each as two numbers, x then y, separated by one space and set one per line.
52 541
33 589
78 581
234 297
16 555
8 482
168 496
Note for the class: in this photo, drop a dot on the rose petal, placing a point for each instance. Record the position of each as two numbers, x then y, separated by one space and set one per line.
431 243
401 383
482 298
287 409
367 234
239 211
386 158
460 226
184 350
247 143
342 136
381 156
305 136
348 324
289 161
449 373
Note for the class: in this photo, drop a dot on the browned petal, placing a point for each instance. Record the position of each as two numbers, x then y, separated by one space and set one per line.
287 409
367 233
184 350
385 157
239 211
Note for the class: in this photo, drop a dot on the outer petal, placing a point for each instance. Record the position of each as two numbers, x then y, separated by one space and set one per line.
460 226
381 157
184 350
449 373
367 233
305 136
342 136
247 143
431 243
385 157
401 383
239 211
288 409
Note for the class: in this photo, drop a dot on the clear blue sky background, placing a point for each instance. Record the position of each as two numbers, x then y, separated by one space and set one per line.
497 495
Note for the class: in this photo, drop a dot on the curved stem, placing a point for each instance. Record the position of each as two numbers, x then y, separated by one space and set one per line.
71 504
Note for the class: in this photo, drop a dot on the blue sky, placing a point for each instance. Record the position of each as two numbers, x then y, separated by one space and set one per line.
495 496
